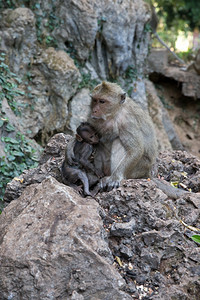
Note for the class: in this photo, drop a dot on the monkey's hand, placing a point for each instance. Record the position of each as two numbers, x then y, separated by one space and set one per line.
99 173
72 161
108 183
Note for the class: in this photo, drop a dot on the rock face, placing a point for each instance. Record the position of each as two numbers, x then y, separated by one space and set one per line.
80 108
156 112
89 32
189 79
55 247
54 80
53 244
166 134
50 77
97 32
18 37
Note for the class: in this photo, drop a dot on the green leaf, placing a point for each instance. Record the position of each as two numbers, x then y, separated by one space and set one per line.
11 140
1 122
9 128
196 238
17 153
11 157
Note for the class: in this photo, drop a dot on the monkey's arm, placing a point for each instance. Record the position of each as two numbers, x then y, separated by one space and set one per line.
85 162
69 152
125 154
70 176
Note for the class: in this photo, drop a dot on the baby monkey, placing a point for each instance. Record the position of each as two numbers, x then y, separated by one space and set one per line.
77 166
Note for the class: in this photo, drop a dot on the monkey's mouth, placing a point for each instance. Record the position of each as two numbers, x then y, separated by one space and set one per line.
94 143
98 118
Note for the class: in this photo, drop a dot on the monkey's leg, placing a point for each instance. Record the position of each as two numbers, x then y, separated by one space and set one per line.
96 190
93 179
70 176
84 179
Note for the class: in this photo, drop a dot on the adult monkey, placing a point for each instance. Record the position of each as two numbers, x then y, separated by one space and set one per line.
128 146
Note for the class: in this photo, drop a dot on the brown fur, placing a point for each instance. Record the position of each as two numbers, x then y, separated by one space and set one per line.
128 146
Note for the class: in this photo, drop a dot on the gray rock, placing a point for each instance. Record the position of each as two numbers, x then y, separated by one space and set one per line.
50 237
186 77
159 244
51 247
157 112
18 37
80 108
59 81
123 229
126 252
97 32
153 260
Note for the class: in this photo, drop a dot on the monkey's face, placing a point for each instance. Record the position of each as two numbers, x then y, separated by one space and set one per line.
100 108
90 137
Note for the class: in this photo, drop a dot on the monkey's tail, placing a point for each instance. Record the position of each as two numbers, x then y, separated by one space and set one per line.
170 191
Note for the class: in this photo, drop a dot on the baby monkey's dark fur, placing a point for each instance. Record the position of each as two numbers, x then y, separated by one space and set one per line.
77 166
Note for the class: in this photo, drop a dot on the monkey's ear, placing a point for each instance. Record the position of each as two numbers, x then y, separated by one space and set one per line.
79 138
123 98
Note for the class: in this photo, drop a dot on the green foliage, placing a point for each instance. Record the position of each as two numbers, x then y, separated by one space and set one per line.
7 4
181 14
13 3
131 73
130 76
196 238
9 83
71 51
51 22
187 56
19 154
147 28
100 23
87 81
50 41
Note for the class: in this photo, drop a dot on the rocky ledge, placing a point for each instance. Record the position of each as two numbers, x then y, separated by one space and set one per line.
131 243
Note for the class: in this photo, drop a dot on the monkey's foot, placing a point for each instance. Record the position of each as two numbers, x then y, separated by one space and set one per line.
108 183
79 189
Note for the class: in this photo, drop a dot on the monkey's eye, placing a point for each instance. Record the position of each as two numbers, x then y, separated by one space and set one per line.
102 101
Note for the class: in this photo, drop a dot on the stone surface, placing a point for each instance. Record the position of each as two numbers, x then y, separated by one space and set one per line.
165 261
50 77
18 37
180 167
157 59
55 80
51 239
89 31
156 112
97 30
80 108
53 246
189 79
